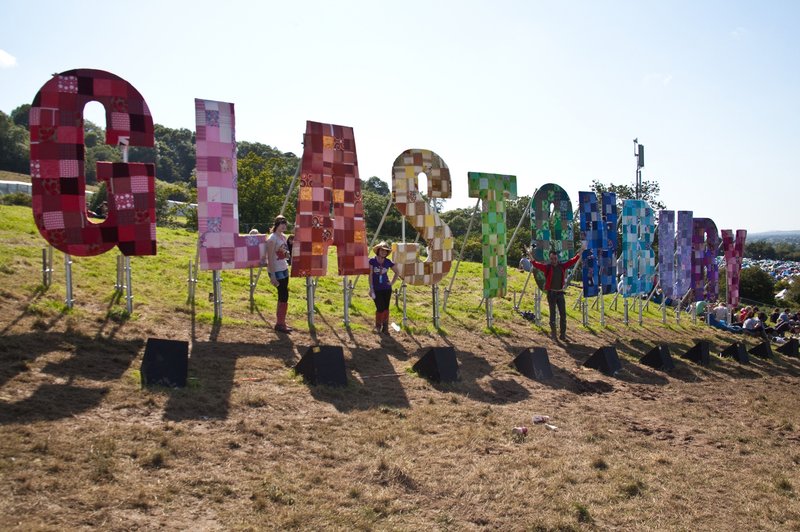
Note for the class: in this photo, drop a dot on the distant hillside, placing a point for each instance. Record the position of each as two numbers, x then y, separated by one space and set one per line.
776 236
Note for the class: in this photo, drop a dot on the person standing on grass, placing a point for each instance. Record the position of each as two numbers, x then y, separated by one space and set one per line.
555 277
277 254
380 288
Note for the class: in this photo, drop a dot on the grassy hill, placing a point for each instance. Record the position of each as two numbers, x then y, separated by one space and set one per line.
248 445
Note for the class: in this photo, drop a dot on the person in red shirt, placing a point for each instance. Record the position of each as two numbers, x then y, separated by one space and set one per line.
555 275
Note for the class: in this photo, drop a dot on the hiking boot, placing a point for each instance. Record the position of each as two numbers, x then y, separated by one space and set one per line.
385 327
563 337
283 328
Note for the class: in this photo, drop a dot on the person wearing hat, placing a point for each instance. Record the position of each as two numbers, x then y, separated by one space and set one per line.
278 254
380 288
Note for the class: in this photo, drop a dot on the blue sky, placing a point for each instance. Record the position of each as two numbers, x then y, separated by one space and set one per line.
547 91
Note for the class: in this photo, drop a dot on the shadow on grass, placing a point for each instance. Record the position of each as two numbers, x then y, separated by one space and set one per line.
98 359
377 384
212 366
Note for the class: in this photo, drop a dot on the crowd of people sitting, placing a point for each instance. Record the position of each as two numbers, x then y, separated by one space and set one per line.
753 321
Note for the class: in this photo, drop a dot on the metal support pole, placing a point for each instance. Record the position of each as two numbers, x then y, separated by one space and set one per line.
585 312
641 306
664 311
217 282
602 306
310 285
252 291
489 316
47 266
524 288
578 301
514 234
403 294
625 311
119 285
291 186
128 286
191 283
537 304
435 296
346 302
68 271
460 255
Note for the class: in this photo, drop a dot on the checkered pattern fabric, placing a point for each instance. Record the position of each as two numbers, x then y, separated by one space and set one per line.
734 251
705 272
551 232
57 166
329 174
221 245
422 217
675 256
493 190
598 223
638 257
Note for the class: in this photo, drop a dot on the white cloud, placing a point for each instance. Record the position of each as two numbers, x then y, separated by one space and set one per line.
7 60
739 33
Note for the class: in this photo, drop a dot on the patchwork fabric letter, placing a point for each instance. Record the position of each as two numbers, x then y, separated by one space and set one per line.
220 244
493 190
329 175
705 273
58 179
638 257
422 217
598 223
734 251
675 254
551 231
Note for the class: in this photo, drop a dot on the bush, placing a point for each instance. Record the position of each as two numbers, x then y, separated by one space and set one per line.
16 198
757 285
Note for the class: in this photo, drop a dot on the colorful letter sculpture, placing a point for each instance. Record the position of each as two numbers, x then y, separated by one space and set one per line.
675 258
705 273
734 251
221 246
638 257
329 174
57 166
551 232
598 223
493 190
422 217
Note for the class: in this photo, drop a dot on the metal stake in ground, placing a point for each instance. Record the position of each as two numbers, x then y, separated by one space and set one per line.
435 297
311 285
128 286
68 270
216 279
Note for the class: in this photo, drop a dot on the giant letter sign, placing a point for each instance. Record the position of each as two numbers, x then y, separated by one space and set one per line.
675 259
57 166
705 273
551 232
221 245
493 190
329 174
422 216
734 251
638 257
598 224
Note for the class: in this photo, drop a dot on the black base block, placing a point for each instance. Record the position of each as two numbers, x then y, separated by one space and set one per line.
605 360
534 364
165 363
762 350
323 364
790 348
658 358
438 364
738 352
699 353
